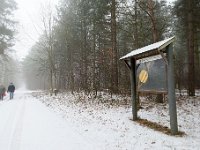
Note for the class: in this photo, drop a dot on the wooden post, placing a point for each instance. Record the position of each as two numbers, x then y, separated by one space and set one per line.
133 88
171 91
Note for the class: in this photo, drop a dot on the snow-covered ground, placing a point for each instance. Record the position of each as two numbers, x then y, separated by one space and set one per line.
27 124
80 122
108 126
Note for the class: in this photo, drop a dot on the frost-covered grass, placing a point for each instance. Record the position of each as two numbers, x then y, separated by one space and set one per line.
105 121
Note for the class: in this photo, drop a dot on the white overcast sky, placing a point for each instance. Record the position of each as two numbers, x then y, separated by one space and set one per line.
29 27
28 15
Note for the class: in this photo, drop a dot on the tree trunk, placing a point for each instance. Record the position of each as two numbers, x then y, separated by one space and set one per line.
94 86
71 69
136 26
114 74
51 82
191 68
151 5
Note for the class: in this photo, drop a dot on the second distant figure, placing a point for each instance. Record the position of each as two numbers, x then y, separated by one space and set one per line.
2 92
11 89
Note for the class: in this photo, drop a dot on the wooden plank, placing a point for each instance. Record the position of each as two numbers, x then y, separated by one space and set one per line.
152 92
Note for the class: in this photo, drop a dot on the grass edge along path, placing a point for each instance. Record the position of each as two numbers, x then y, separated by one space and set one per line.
157 127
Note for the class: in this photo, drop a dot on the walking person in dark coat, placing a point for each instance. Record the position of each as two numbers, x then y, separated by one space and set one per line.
11 89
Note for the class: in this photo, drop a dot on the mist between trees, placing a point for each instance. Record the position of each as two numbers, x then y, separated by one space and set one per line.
81 45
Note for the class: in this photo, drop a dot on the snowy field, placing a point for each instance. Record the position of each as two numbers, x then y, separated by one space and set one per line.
106 124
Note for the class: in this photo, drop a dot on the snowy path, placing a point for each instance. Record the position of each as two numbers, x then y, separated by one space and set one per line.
26 124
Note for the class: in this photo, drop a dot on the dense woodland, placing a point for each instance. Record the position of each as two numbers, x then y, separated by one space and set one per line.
8 65
81 44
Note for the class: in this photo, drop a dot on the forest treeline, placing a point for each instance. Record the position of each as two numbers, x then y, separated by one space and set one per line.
8 66
80 46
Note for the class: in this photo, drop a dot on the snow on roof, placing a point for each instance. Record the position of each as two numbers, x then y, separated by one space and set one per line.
155 46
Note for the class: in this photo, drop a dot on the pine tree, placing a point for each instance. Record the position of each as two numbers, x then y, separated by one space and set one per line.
187 13
7 29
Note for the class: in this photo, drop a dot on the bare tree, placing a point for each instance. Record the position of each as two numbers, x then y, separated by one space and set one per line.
48 23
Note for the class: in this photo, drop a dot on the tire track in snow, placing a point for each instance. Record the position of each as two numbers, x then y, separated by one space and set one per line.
8 123
18 128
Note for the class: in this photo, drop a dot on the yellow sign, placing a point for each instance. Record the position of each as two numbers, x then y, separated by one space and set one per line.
143 76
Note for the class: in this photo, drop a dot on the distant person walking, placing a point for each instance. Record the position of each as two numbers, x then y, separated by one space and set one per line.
11 89
2 92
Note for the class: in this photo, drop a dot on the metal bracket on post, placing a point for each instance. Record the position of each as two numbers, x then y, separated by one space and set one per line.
127 64
164 57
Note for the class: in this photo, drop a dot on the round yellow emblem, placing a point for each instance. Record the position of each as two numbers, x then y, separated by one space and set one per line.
143 76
